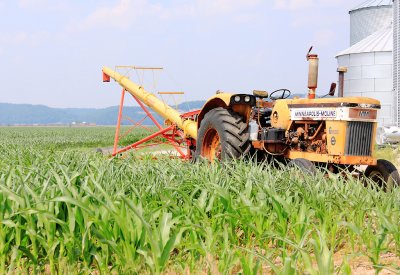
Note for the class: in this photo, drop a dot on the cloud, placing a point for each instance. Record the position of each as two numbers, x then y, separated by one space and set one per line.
323 19
24 38
323 38
120 16
32 3
14 39
53 5
218 7
303 4
125 13
292 4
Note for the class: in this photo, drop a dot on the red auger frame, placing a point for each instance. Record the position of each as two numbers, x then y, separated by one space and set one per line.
169 134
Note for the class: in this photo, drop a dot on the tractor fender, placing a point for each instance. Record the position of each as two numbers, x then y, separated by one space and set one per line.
218 100
223 100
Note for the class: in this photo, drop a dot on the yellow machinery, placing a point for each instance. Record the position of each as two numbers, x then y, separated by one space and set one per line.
188 126
334 133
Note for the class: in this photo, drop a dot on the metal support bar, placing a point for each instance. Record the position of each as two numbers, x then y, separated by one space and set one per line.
148 113
190 114
121 105
171 138
135 125
171 93
144 140
158 125
189 127
138 68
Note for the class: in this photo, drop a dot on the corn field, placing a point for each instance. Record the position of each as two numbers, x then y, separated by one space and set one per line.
65 209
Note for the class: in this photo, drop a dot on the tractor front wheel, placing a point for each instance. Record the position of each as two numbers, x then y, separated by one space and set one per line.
384 174
223 135
304 165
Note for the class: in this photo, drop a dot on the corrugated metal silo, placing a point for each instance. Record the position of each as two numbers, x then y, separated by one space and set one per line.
396 58
369 74
369 17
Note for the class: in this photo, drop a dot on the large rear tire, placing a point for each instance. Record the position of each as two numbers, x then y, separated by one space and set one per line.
384 174
223 135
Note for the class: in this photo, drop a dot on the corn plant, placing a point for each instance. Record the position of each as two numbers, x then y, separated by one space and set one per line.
66 209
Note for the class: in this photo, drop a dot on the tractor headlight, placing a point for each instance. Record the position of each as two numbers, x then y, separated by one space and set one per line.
245 99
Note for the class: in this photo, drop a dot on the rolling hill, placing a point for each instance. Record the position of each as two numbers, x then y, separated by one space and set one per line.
22 114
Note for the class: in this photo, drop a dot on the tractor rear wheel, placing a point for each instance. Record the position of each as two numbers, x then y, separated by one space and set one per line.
304 165
384 174
223 135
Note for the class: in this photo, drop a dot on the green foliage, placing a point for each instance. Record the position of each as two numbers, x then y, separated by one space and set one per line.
61 138
389 153
75 211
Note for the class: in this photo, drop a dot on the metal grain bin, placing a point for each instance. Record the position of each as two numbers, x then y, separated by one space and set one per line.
369 17
369 74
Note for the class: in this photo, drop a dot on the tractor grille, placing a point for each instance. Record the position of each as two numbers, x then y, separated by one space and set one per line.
359 138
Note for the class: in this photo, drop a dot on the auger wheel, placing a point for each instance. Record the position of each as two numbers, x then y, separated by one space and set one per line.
222 135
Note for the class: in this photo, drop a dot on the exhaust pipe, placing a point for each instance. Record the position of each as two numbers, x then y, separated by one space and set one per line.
341 71
312 74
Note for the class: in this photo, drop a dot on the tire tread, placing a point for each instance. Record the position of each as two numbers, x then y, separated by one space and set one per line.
235 132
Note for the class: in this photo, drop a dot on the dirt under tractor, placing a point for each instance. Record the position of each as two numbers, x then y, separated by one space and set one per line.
336 133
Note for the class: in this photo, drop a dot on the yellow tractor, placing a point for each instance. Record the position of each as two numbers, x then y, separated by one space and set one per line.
335 133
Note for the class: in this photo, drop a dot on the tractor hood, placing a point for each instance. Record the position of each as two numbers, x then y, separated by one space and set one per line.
363 102
342 108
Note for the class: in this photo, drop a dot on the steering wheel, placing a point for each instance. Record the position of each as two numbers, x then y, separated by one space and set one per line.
285 94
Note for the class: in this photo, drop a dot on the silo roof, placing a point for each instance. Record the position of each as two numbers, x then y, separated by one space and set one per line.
372 3
380 41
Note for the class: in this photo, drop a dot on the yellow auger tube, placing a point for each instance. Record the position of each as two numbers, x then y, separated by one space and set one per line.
188 126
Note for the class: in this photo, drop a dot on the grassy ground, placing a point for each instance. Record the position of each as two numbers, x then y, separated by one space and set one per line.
62 138
390 153
66 209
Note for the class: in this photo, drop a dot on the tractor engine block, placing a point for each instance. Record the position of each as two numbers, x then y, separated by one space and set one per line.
307 136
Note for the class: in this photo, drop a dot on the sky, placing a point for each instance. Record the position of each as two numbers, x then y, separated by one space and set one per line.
52 51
